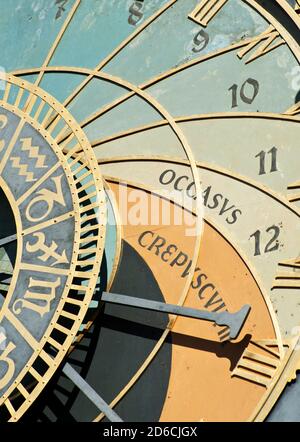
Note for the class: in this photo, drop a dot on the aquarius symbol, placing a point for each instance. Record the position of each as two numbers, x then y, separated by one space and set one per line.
48 251
33 152
16 163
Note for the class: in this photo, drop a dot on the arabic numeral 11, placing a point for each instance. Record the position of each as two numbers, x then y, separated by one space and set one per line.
262 160
271 246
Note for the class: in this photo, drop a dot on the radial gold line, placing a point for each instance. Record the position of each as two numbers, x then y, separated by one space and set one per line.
44 269
7 91
189 154
19 97
11 145
39 110
49 223
30 103
115 52
43 123
37 184
57 40
9 407
156 79
143 86
282 199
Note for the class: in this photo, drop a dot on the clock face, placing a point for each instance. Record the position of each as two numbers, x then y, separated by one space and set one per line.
189 111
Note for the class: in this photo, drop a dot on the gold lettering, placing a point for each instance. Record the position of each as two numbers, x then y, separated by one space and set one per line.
31 299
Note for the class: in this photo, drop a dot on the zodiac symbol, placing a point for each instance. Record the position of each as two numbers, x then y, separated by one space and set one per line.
30 297
33 153
49 197
48 252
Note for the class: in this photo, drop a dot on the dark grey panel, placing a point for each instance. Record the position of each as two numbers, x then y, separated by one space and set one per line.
112 352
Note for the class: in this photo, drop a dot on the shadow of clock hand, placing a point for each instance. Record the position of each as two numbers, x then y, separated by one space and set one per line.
229 350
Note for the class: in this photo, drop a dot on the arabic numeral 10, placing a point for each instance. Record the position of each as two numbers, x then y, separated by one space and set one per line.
247 92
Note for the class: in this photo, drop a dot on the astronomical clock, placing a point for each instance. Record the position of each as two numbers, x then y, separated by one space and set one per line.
150 210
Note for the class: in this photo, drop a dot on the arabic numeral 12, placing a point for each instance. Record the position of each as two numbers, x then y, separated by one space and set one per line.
273 243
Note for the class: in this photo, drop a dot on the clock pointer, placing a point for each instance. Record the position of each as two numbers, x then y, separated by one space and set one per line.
7 240
235 321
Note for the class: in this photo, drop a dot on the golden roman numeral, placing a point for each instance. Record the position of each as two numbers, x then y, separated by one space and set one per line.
264 43
206 10
289 279
294 110
259 366
295 196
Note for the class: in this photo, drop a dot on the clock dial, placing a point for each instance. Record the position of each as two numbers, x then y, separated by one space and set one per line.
45 249
191 108
186 350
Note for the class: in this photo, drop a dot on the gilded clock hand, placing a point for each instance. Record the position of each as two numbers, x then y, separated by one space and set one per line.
8 239
234 321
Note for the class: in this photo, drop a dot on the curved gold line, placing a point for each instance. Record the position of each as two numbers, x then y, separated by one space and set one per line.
201 165
115 52
181 138
57 40
119 230
183 119
94 73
